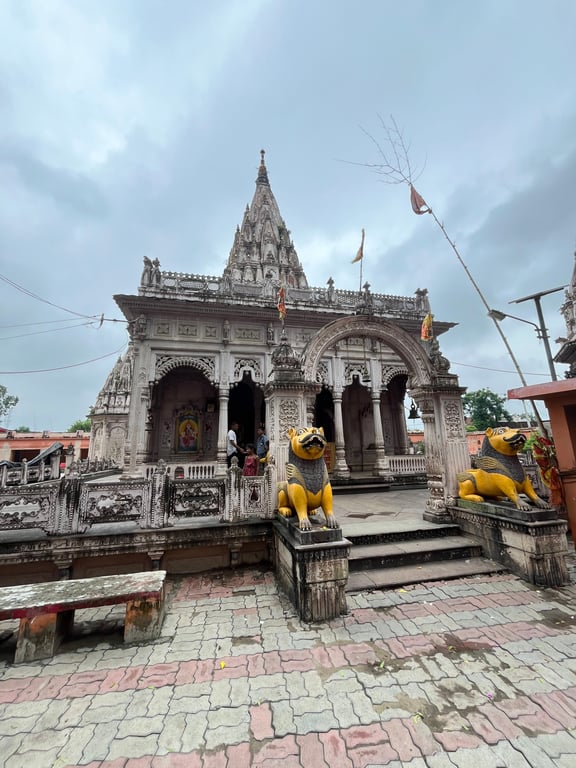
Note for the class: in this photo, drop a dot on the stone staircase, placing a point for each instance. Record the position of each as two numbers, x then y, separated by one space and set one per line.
384 556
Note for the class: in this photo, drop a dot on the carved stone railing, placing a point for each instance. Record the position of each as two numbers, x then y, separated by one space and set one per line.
74 504
209 288
27 473
407 465
181 471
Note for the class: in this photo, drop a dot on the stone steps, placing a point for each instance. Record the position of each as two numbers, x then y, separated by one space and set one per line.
389 578
384 556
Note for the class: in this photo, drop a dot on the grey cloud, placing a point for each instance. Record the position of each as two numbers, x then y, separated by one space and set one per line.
74 191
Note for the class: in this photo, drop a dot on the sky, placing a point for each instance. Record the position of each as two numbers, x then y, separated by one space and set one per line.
133 127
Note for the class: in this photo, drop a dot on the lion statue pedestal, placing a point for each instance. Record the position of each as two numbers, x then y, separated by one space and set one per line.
499 474
311 561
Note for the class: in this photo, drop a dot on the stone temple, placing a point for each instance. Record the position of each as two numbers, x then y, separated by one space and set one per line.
208 350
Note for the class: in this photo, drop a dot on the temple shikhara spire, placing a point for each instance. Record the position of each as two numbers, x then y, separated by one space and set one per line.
263 251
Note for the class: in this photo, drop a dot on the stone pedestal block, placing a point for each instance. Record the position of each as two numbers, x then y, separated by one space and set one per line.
312 568
143 619
40 636
530 543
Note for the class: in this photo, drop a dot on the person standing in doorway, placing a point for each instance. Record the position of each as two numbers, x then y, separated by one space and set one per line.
232 447
262 447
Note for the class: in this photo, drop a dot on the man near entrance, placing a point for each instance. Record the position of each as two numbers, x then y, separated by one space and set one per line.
262 446
232 447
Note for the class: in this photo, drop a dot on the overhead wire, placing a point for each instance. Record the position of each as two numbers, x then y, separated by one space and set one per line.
65 367
50 330
33 295
494 370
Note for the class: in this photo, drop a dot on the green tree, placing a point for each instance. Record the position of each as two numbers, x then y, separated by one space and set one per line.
83 424
485 409
7 402
23 429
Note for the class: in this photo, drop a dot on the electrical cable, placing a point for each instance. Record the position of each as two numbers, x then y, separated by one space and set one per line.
65 367
51 330
44 301
494 370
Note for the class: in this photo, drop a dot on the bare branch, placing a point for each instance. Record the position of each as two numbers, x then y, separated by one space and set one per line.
395 164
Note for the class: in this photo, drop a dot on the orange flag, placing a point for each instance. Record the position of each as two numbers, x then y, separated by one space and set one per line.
418 202
426 332
359 256
281 305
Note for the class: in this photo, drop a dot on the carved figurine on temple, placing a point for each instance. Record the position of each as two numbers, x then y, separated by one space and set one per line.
146 273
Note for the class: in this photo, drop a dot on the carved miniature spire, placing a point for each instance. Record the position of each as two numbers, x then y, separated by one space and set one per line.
115 394
262 172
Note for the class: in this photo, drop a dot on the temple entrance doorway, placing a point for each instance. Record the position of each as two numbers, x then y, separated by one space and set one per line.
183 418
359 437
246 406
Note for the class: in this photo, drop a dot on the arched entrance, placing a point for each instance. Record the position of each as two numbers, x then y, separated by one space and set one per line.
400 361
183 417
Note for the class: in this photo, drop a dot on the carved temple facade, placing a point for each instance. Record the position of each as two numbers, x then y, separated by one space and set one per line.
205 351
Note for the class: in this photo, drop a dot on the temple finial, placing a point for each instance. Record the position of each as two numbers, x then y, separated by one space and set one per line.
262 172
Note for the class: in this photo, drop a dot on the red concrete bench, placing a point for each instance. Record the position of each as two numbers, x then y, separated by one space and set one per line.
46 611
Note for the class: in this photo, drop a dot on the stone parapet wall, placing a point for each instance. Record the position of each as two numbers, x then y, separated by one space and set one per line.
74 505
531 544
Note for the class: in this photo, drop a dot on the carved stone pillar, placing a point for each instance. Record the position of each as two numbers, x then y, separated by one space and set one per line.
341 469
435 511
381 465
145 421
403 439
223 396
446 447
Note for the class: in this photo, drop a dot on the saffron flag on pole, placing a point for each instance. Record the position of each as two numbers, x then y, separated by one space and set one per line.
427 332
360 253
281 305
419 205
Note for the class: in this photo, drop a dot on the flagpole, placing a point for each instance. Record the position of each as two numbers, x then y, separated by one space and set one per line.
491 316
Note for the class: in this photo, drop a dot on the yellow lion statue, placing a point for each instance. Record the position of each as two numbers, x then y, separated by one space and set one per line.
499 473
307 486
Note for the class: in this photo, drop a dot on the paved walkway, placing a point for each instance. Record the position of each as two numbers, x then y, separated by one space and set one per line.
476 673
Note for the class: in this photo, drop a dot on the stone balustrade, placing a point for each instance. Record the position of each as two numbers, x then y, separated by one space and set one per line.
74 504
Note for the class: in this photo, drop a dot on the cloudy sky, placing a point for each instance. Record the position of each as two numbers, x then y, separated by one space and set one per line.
133 127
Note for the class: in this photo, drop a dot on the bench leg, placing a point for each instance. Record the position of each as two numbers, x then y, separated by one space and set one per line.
39 636
143 620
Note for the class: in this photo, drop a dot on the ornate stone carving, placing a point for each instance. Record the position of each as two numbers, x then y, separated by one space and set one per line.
248 334
322 372
391 371
251 364
364 327
196 499
188 329
357 368
270 426
166 363
162 329
289 415
102 504
453 420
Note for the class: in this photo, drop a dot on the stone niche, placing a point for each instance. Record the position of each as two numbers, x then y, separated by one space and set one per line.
530 543
312 568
